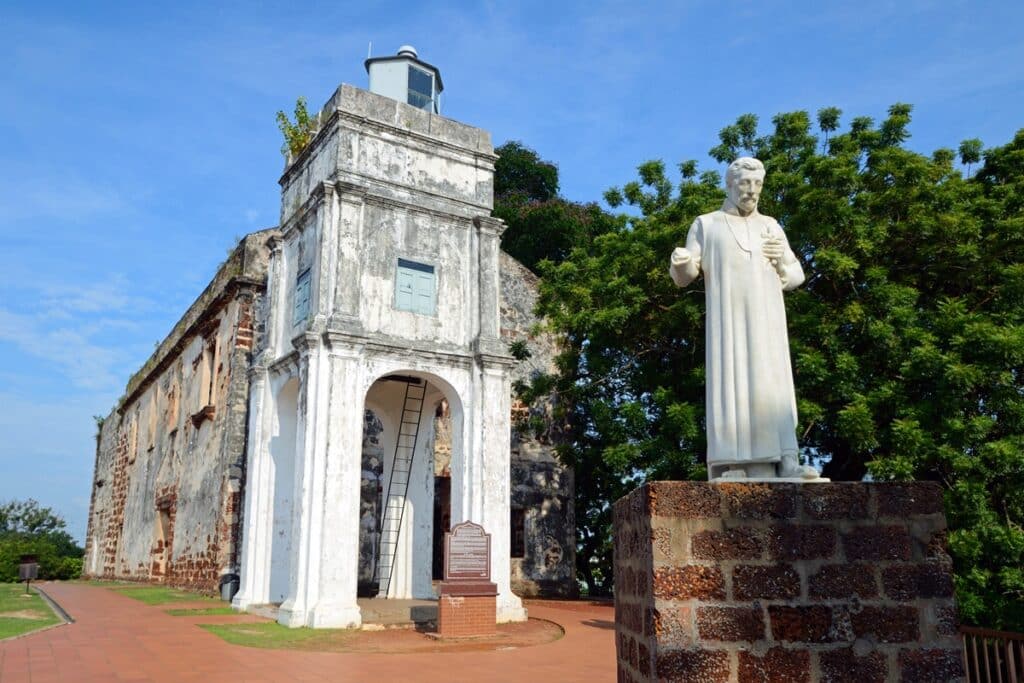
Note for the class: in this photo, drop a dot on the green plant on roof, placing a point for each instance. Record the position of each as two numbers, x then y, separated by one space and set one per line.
298 134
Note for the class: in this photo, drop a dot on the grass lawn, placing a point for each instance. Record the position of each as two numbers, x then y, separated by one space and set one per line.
200 612
158 595
20 613
272 635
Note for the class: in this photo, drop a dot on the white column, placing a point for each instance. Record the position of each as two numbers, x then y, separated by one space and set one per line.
339 532
495 477
254 577
307 510
349 211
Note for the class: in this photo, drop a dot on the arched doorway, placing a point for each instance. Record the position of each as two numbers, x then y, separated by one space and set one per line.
412 425
282 472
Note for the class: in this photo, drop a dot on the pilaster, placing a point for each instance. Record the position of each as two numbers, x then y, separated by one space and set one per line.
307 513
336 607
254 574
488 235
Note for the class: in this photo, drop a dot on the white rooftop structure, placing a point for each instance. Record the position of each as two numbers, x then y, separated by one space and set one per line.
406 78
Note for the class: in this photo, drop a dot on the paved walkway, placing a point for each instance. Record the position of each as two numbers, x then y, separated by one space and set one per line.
119 640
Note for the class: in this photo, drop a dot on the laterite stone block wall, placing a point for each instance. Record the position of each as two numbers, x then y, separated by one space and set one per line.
784 582
466 616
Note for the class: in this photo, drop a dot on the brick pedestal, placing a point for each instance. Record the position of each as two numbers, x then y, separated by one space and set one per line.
784 582
466 609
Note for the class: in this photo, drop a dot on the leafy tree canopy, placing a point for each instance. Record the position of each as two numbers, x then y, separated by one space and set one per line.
27 528
520 172
907 338
540 224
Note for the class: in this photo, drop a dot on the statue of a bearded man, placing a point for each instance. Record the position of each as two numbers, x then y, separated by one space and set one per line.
747 265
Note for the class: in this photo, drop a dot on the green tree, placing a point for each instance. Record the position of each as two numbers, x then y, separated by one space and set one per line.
907 338
27 528
970 153
541 225
520 172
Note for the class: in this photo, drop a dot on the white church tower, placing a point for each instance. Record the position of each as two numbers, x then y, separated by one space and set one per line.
383 312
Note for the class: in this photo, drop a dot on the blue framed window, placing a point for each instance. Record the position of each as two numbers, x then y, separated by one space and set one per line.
421 88
415 287
300 308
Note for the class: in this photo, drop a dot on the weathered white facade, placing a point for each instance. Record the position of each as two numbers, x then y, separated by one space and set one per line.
382 187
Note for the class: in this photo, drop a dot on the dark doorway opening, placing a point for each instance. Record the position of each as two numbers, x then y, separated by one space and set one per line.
442 521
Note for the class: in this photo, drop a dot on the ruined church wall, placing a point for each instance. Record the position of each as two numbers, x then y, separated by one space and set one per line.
541 486
166 498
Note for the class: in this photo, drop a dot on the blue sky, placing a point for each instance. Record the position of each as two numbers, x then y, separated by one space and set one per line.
138 140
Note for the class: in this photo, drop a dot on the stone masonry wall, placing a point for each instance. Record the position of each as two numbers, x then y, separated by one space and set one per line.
784 582
169 474
541 486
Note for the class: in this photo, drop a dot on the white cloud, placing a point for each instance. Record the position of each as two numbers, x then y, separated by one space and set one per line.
113 295
59 324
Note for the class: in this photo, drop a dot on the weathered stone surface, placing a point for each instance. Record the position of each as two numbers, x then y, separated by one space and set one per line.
672 626
908 500
835 501
688 582
929 666
810 624
947 621
730 623
801 542
759 501
841 581
844 666
760 582
181 427
826 598
684 500
694 664
643 659
900 624
778 665
890 542
732 544
912 581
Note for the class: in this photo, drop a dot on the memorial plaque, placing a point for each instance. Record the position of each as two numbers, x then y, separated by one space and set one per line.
28 568
467 553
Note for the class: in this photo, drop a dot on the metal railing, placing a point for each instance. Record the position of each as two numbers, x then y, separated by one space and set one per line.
993 656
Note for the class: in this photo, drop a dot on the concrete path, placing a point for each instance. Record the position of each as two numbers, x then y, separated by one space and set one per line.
119 640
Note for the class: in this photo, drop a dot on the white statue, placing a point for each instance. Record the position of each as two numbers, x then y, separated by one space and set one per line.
747 264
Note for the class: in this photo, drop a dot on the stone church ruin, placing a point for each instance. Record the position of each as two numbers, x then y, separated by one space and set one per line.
340 395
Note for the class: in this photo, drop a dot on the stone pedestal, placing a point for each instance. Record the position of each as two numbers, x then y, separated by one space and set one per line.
467 609
784 582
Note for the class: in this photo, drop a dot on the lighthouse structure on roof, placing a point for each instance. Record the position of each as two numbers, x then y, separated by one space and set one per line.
406 78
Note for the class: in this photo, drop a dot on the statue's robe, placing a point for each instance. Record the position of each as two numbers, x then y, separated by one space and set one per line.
751 405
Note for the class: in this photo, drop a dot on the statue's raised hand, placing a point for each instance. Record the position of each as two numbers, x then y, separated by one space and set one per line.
680 256
772 249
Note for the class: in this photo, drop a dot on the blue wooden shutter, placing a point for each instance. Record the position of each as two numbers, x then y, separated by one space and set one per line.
300 310
415 287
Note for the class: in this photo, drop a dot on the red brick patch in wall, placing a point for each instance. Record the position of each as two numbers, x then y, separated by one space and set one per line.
782 582
466 616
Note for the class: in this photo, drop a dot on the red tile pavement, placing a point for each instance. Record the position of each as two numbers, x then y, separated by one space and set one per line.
120 640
